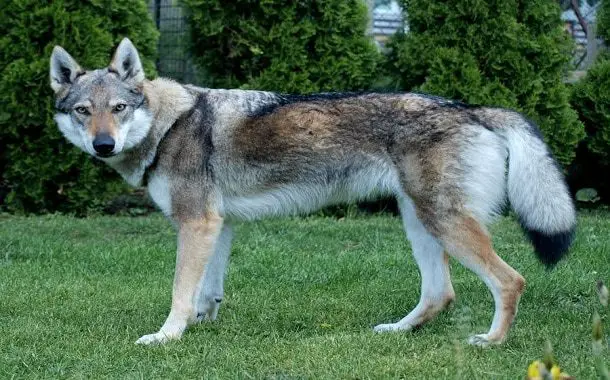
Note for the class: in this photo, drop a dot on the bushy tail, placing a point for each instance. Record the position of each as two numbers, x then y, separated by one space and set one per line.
538 193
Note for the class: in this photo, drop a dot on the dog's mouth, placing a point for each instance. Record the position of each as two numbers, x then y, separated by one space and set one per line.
105 155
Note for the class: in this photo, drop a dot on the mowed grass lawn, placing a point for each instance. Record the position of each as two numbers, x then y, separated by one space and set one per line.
302 296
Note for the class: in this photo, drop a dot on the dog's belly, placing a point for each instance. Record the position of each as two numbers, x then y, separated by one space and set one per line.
306 197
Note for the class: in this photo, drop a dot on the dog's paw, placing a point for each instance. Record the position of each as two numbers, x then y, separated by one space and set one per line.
388 327
157 338
482 340
209 309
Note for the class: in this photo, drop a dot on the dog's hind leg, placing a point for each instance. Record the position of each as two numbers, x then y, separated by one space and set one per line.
468 242
212 284
436 289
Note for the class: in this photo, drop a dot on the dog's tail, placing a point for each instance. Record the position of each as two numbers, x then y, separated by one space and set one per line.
538 192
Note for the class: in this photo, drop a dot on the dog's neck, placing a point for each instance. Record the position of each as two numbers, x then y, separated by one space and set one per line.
166 101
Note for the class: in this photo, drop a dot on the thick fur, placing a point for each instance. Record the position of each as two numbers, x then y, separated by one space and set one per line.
209 157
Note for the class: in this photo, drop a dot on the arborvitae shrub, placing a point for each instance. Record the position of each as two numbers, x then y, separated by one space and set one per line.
591 98
288 46
40 170
508 53
603 22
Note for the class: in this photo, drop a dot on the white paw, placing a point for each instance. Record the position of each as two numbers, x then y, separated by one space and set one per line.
157 338
482 340
392 327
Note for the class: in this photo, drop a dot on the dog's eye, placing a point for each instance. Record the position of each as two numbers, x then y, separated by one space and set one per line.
82 110
119 107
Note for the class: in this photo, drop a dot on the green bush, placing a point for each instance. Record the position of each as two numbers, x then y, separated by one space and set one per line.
603 21
591 98
508 53
288 46
40 170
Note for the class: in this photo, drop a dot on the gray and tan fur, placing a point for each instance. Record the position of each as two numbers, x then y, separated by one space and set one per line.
210 157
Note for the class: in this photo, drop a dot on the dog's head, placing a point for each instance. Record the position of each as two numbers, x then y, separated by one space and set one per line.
104 111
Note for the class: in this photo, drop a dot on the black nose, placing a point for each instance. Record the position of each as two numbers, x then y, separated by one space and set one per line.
103 144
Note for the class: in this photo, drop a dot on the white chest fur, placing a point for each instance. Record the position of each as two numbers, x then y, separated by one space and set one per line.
160 192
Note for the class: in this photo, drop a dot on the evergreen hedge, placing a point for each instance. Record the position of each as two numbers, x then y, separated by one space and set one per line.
603 22
591 98
508 53
40 170
281 45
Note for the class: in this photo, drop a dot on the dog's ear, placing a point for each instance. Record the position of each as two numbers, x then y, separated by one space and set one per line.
64 69
126 62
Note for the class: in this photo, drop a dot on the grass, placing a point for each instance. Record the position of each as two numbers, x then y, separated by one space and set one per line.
302 296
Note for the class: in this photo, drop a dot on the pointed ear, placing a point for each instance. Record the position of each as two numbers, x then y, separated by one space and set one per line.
126 62
64 69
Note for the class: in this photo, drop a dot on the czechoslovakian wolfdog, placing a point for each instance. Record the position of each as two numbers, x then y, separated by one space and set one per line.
209 157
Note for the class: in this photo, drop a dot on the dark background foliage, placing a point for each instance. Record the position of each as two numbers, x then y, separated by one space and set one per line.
508 53
286 46
591 98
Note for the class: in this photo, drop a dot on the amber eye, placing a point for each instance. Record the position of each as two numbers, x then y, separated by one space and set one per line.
119 107
82 110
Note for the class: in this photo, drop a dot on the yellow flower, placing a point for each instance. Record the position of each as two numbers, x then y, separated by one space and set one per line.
538 371
555 373
533 370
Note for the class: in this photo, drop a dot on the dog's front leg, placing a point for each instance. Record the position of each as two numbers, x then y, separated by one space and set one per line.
212 283
196 243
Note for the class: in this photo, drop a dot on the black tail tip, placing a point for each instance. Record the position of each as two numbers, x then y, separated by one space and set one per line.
550 248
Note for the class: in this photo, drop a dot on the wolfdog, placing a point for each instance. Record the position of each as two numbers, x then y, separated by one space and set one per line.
210 157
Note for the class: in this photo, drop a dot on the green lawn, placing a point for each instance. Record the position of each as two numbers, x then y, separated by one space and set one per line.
302 296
